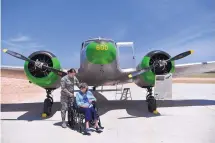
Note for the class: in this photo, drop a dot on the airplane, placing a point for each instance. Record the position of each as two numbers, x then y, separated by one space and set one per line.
99 66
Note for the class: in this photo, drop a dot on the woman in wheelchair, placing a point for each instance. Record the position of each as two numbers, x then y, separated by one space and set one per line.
84 100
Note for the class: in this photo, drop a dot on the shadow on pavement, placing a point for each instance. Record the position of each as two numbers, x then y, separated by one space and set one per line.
135 108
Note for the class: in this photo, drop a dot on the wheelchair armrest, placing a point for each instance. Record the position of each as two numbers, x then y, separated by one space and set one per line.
95 104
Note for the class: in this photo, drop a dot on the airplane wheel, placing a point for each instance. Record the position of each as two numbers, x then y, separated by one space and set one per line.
151 104
48 106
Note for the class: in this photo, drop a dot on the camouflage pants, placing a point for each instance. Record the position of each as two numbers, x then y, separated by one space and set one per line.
66 102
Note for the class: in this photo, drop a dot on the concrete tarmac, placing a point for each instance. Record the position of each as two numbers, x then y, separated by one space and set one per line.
188 118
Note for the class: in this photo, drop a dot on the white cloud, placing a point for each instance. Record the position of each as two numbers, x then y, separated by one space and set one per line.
20 38
21 43
26 47
35 45
9 43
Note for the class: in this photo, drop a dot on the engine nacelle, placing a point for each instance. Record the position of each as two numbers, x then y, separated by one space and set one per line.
43 77
148 78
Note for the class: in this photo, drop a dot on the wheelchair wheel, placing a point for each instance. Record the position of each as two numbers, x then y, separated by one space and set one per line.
92 123
80 129
71 118
79 123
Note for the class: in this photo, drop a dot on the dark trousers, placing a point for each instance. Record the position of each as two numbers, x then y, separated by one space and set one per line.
65 102
90 113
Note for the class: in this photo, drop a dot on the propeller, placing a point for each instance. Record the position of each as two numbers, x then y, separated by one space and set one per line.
180 56
161 63
36 63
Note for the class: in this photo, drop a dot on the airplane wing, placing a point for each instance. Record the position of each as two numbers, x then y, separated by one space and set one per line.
193 68
182 70
15 72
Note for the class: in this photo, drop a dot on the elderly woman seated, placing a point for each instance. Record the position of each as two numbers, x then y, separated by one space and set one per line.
84 100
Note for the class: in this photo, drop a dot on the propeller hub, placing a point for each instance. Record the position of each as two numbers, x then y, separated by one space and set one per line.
38 70
160 65
38 64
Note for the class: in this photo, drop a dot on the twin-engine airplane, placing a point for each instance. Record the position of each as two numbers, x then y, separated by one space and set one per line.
99 66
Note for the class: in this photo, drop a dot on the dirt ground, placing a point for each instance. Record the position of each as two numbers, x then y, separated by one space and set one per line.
17 90
15 87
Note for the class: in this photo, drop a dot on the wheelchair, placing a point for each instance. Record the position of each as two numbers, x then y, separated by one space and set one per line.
76 118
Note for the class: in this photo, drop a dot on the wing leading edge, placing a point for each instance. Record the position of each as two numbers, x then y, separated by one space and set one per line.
193 68
15 72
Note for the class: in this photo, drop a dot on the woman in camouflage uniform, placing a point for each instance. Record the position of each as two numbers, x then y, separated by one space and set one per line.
67 92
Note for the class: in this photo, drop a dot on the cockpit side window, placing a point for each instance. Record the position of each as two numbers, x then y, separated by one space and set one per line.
84 44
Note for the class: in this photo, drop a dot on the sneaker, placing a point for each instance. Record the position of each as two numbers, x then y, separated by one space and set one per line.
100 127
98 130
64 125
87 131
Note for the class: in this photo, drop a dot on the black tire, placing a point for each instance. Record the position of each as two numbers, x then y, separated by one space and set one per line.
49 110
152 104
47 106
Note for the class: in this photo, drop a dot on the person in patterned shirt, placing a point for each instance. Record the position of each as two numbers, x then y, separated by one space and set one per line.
67 93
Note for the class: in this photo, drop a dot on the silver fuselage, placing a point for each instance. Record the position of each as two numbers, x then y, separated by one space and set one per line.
97 74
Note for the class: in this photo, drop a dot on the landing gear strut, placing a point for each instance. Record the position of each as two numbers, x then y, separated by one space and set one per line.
48 102
150 99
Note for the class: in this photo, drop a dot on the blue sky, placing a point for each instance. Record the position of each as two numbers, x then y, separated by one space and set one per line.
60 26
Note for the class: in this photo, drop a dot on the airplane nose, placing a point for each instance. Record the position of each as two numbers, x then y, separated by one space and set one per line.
101 53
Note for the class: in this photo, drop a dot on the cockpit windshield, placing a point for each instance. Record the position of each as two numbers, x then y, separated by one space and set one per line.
97 40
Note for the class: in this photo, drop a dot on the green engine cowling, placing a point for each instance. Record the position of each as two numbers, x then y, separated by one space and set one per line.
148 78
43 77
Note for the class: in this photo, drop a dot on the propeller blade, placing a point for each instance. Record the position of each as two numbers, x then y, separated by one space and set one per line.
58 72
140 72
17 55
36 63
180 56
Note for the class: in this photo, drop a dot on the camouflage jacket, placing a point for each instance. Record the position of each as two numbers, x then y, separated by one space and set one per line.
67 85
